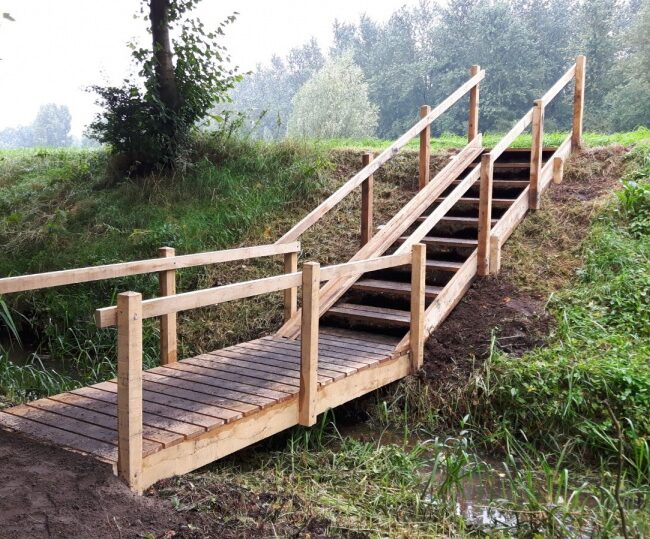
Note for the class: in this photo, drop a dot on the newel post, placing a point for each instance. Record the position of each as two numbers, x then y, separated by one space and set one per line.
309 344
537 147
129 389
418 285
290 294
472 121
367 195
485 215
425 148
168 332
578 103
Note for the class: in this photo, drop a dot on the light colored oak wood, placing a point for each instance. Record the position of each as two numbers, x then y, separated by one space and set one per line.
418 285
536 155
472 121
558 170
578 102
511 135
129 389
559 85
138 267
485 215
367 198
290 294
168 331
563 151
359 267
425 149
309 344
505 227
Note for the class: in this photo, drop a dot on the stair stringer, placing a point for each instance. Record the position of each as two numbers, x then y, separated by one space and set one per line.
403 219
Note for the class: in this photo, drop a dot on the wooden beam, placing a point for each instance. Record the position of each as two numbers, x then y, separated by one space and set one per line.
511 135
129 389
559 85
290 294
485 215
309 344
578 102
367 197
138 267
425 149
536 154
168 331
418 287
558 170
472 122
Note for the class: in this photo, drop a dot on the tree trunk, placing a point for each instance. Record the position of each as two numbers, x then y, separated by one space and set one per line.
162 50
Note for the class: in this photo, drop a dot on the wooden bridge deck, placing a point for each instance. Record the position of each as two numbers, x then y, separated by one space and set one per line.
197 395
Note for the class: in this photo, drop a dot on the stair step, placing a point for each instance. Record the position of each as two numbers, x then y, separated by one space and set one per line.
502 184
496 202
444 242
443 265
393 287
368 313
460 220
512 164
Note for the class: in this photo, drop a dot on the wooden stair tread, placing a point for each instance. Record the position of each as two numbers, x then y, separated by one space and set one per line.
496 202
393 287
371 313
445 242
443 265
460 220
502 184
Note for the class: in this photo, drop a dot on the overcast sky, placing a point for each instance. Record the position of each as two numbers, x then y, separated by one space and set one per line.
56 48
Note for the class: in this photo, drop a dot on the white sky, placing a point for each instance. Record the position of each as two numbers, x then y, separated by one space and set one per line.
56 48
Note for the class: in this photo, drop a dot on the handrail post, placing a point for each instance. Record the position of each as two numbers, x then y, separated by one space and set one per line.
558 170
309 343
534 199
290 294
168 332
367 196
425 148
472 122
578 103
485 214
418 285
129 388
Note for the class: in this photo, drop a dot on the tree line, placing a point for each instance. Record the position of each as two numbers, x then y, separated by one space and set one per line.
420 54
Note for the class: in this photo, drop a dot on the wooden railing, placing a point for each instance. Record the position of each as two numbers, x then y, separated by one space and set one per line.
491 239
166 267
131 310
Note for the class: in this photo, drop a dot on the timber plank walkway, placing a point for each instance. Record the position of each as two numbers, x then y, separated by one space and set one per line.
363 329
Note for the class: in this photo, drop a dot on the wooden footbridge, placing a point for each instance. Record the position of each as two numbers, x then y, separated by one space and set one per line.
363 329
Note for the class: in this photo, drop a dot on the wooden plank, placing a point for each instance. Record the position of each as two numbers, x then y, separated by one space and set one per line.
578 103
485 215
418 281
443 265
379 315
359 267
130 445
424 159
472 121
383 347
440 241
62 438
290 294
563 151
536 155
168 333
473 221
124 269
559 85
343 357
367 198
500 183
505 227
476 201
346 335
309 344
558 170
379 286
511 135
315 215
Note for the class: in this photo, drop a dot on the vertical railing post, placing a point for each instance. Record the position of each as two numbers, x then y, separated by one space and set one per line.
168 332
309 344
367 196
472 121
290 294
129 388
485 215
534 199
425 148
418 286
578 103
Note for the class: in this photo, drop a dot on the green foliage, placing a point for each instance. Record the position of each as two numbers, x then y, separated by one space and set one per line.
635 196
50 129
137 122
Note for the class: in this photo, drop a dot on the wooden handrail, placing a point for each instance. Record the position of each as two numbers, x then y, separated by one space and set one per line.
511 135
559 85
315 215
38 281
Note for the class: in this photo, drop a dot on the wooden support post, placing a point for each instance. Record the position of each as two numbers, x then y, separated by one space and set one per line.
367 196
309 343
472 122
536 149
425 148
495 255
291 294
418 286
578 103
129 388
485 215
168 332
558 170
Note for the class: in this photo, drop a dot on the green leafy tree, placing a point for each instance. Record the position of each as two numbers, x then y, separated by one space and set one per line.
149 119
334 103
51 128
